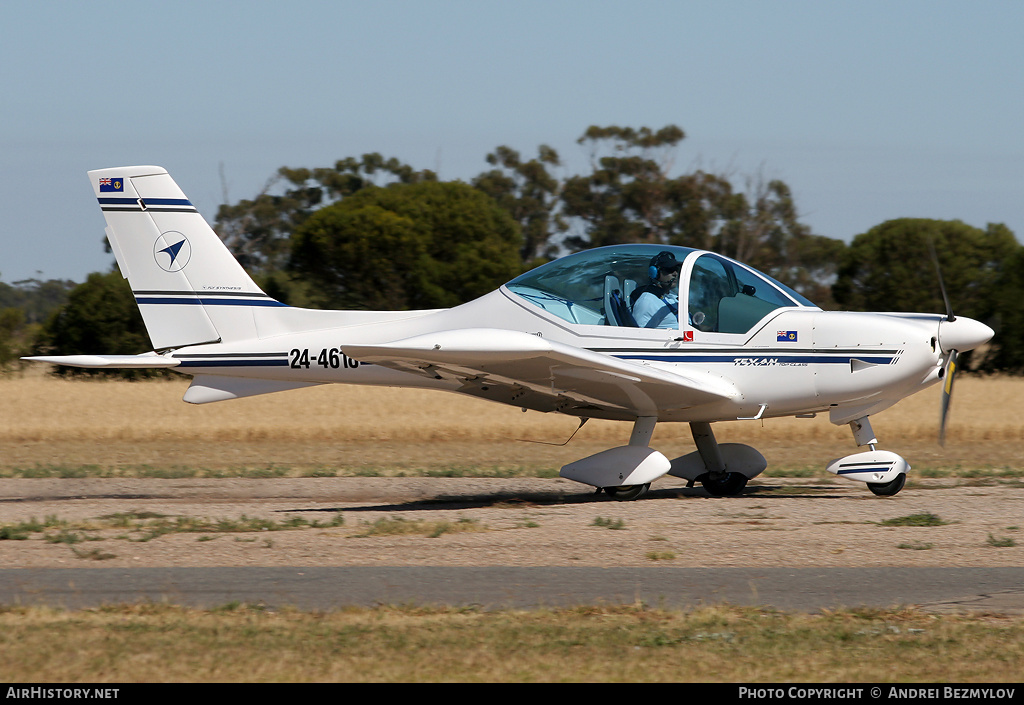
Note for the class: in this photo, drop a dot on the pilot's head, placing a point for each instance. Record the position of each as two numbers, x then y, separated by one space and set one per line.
664 270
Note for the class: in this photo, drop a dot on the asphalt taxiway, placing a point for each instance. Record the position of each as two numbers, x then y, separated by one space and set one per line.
997 590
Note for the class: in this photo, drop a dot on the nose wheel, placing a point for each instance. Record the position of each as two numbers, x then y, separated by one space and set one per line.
888 489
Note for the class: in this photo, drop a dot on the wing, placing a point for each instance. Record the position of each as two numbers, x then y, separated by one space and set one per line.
529 371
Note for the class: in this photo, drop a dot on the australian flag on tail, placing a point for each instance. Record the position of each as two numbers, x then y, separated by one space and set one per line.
112 185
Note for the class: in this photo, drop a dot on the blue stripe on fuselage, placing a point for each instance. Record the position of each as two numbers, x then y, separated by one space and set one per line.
769 359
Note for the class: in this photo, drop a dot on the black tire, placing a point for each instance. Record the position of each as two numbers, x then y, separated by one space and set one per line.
732 483
888 489
626 493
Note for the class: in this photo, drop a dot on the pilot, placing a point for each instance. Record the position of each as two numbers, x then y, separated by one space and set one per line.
657 304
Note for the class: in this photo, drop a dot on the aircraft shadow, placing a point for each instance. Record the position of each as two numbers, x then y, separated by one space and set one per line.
540 499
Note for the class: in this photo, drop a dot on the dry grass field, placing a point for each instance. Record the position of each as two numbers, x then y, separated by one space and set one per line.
115 425
161 643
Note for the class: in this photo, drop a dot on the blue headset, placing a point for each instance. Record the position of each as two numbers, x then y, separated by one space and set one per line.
652 271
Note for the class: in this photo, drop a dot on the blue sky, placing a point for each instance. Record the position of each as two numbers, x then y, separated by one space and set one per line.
868 110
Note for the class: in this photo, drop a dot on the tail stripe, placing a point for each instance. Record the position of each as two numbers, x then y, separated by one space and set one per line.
205 301
178 292
156 205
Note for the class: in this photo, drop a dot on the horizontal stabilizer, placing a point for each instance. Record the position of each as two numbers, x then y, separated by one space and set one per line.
208 388
147 360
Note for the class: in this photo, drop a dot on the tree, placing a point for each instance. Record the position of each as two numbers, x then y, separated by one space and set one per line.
530 194
763 230
258 231
1008 321
416 245
101 316
36 299
12 324
889 268
23 308
630 196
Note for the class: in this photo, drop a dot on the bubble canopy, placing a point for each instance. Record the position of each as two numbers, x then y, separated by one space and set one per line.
601 285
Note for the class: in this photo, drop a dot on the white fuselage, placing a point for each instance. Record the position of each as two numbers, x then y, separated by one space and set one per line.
845 363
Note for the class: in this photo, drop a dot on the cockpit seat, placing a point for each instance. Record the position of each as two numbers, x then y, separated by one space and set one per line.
616 310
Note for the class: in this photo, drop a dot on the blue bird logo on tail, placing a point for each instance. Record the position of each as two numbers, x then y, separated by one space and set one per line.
174 254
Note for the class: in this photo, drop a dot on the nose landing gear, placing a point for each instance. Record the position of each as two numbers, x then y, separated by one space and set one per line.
882 471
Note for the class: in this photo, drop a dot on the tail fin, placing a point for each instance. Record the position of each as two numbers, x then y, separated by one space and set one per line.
188 286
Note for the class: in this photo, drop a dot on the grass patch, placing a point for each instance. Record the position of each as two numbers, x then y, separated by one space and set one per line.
19 531
1001 541
399 526
155 528
122 520
794 471
919 519
146 526
67 537
660 555
609 523
94 554
58 470
143 643
916 546
987 471
8 533
484 471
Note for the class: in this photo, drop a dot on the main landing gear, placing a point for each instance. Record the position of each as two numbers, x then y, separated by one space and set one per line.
722 470
725 485
626 472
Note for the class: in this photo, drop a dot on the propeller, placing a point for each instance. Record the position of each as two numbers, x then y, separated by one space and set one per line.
942 286
947 395
951 367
